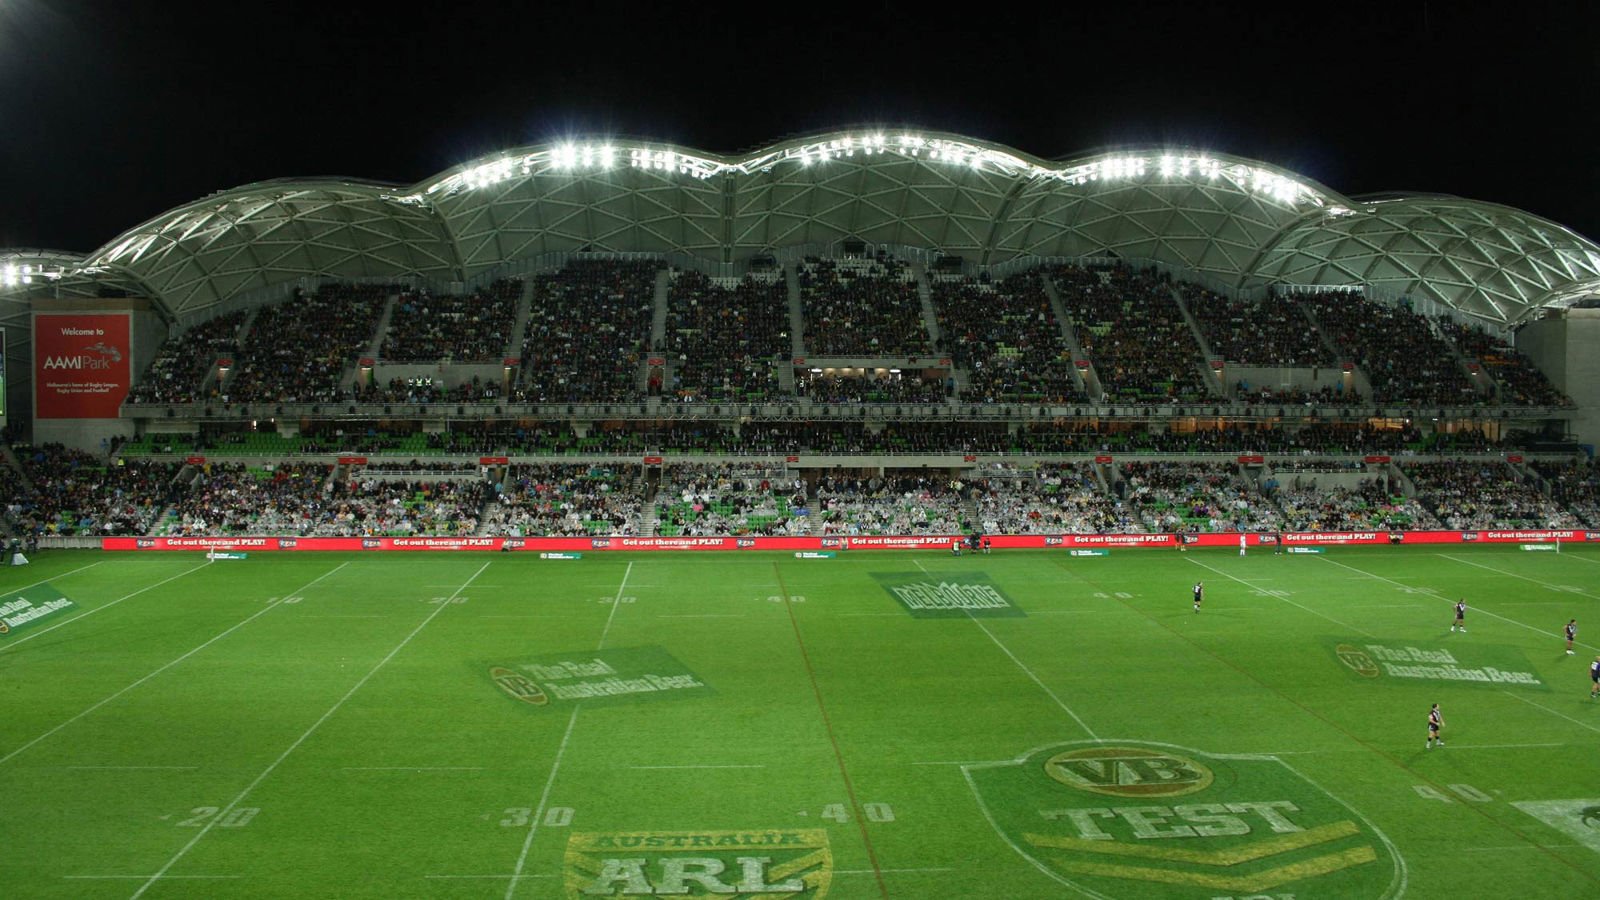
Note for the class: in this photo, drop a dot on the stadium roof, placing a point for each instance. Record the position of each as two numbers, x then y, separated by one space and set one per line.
1239 221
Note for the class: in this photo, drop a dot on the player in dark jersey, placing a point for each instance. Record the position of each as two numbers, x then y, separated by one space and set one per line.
1435 722
1461 615
1572 632
1199 594
1594 677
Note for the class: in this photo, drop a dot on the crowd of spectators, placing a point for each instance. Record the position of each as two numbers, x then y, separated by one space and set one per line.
1472 494
1131 328
861 307
300 350
589 331
77 493
567 501
183 363
1050 499
426 389
1182 496
1575 486
871 386
1520 381
473 327
1007 339
1272 331
891 503
730 499
1404 359
1369 506
725 340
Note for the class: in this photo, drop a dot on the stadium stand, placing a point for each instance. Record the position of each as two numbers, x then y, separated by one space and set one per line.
865 307
474 327
1477 494
303 349
730 498
181 367
1521 383
1131 328
1007 339
588 331
1049 499
567 500
726 340
1272 331
1403 357
891 503
1174 496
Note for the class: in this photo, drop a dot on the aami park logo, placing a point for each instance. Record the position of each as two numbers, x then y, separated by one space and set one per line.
788 863
1130 819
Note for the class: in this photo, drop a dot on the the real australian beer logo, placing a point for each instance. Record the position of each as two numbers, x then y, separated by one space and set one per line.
786 863
1136 819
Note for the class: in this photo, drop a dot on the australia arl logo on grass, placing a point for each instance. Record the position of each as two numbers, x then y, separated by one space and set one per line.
1134 819
952 596
767 864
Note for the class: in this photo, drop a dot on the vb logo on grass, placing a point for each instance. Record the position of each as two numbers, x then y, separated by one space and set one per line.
1150 820
768 864
954 596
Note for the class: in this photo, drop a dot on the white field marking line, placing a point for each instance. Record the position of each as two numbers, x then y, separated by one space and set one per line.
615 602
1552 633
1365 750
234 803
246 621
544 798
44 631
527 616
755 766
1544 584
1552 712
1579 558
1019 663
53 577
376 616
700 615
1284 599
561 750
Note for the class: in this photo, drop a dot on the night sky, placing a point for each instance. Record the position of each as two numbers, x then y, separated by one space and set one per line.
111 113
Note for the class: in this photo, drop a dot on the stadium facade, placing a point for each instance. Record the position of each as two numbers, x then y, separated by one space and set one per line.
1237 225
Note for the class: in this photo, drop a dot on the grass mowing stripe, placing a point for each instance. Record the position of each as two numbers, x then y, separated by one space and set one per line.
1023 666
234 803
246 621
1284 599
44 631
544 797
1372 748
833 739
1544 584
1436 595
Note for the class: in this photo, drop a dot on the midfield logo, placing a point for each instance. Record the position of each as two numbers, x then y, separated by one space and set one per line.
1137 819
750 864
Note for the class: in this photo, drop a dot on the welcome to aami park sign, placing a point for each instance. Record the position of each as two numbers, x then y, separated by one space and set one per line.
27 608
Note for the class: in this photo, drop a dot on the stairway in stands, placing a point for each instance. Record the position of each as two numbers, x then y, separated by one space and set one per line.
797 319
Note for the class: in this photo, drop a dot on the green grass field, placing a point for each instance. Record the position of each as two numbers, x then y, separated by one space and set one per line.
756 725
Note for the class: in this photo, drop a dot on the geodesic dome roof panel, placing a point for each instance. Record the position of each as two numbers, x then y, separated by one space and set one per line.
1240 221
206 252
1489 261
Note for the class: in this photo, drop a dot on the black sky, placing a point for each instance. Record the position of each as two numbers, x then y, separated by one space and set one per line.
111 113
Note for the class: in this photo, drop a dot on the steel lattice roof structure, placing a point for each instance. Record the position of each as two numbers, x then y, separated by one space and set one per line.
1238 222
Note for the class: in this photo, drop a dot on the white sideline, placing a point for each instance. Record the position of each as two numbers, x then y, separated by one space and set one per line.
62 575
246 621
44 631
234 803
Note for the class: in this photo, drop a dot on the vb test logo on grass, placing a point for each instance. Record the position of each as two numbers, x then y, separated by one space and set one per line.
790 863
947 596
1135 820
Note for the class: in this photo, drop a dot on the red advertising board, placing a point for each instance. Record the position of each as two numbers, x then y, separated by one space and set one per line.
840 542
81 365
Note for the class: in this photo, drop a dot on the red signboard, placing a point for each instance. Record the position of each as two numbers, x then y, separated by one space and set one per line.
1515 457
1251 460
652 460
494 460
195 460
224 362
352 460
1081 363
791 459
1218 364
512 362
1103 460
81 365
367 362
840 542
1376 459
656 361
969 458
